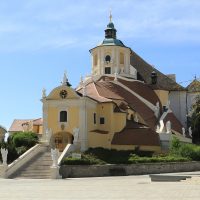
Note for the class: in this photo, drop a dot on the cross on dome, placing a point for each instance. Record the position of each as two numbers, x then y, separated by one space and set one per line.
110 16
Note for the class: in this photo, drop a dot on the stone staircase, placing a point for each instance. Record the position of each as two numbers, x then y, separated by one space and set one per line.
38 167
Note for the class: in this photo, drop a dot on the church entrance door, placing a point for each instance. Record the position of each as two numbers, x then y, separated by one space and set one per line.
61 140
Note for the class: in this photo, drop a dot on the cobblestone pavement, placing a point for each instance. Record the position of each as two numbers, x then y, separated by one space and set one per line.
118 188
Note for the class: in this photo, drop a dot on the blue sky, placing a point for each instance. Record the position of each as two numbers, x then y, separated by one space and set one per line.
40 39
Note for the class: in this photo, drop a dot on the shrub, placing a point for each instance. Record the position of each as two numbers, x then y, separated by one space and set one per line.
190 151
19 143
136 159
87 159
175 145
26 139
12 153
21 150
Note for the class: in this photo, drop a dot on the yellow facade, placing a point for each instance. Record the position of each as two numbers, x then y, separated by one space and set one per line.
163 96
88 115
114 122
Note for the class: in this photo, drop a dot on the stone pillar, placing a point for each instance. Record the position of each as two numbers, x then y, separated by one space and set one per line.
45 119
3 171
83 125
4 166
55 168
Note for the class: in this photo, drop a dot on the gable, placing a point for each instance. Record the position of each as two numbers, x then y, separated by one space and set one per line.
62 92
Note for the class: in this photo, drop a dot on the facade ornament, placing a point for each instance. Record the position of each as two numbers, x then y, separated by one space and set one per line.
183 131
110 16
157 129
116 75
190 131
65 80
84 91
4 154
6 136
157 110
44 93
136 118
168 127
81 80
54 156
76 134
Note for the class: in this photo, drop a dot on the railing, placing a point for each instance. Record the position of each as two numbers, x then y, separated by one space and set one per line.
69 148
8 170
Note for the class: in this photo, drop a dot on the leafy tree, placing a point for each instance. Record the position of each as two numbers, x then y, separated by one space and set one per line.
195 121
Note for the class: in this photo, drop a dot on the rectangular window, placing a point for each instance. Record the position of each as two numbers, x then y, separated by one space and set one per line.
95 118
107 70
102 120
63 116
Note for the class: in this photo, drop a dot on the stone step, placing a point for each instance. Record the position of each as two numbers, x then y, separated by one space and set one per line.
34 172
34 177
42 163
38 167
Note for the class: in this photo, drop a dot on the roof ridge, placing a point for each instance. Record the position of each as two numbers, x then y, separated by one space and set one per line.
154 69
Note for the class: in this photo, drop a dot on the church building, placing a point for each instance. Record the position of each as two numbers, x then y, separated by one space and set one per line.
124 104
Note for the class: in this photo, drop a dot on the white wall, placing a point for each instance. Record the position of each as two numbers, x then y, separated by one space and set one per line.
179 106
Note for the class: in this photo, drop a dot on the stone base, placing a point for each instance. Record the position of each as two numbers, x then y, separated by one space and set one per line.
55 173
3 171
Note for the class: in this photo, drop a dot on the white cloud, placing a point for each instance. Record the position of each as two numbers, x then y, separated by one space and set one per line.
36 24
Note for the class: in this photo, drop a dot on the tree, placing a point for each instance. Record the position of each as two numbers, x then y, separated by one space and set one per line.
195 121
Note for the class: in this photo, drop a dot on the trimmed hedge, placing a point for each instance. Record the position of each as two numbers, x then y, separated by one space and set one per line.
100 156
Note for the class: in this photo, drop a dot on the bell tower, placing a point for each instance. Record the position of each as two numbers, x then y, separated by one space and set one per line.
111 55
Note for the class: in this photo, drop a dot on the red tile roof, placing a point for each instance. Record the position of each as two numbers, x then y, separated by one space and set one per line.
136 136
38 122
144 73
136 104
17 124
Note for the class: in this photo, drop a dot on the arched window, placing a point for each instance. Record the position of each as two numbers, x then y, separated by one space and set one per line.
63 116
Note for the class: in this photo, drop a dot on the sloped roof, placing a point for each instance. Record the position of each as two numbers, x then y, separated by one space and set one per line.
139 135
93 93
144 73
117 94
17 124
38 122
194 86
175 123
136 104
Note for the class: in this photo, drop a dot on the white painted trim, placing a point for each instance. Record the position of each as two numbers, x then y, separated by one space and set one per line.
69 148
71 102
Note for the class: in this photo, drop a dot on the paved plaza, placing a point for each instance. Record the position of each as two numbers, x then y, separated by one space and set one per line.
118 188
